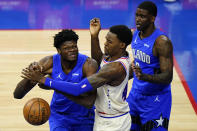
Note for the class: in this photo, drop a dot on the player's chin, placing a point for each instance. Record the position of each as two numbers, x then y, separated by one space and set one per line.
72 59
106 52
139 28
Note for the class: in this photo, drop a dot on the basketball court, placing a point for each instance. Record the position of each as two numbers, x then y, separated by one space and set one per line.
21 47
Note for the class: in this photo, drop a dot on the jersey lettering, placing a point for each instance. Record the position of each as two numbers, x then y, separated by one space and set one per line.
138 54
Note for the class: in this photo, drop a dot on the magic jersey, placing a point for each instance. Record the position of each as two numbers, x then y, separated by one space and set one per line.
111 100
142 50
60 103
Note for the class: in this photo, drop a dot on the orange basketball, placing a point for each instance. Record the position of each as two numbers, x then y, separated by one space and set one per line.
36 111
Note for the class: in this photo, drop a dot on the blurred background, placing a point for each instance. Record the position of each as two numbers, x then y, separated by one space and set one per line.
177 18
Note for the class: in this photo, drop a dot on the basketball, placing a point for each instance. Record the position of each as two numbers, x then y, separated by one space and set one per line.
36 111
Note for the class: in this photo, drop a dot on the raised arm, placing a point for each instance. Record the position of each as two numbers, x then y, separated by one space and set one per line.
96 52
25 85
163 49
112 74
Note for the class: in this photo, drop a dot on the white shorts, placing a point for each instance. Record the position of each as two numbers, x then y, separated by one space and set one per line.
118 123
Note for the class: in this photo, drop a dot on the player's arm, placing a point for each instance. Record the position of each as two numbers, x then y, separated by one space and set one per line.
96 52
90 67
25 85
130 68
130 72
112 74
164 51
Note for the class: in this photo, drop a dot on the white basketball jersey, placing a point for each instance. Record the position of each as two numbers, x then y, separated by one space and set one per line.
111 100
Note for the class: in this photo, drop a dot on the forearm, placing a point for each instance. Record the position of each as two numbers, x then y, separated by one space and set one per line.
96 52
67 87
164 78
22 88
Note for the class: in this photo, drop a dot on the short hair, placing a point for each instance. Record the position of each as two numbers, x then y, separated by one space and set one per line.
65 35
149 6
123 33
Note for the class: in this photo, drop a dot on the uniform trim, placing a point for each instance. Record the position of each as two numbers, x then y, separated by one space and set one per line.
111 116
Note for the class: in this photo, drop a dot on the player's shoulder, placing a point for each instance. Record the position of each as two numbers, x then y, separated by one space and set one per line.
46 62
163 40
47 58
90 67
90 62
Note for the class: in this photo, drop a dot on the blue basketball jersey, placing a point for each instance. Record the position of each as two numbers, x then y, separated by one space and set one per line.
62 104
142 50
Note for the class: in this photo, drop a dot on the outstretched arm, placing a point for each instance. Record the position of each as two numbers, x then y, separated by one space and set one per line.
96 52
25 85
112 72
164 51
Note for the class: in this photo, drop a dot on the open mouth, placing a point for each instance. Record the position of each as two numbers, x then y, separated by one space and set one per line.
73 55
138 25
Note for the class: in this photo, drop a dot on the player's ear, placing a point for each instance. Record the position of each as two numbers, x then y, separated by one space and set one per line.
153 19
122 45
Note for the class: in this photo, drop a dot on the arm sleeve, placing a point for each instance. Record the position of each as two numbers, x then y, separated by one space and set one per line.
71 88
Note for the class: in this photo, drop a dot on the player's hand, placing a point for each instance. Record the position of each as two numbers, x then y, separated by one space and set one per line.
95 26
42 86
137 70
34 75
35 66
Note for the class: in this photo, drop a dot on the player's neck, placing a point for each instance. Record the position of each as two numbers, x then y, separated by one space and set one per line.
117 56
147 32
67 66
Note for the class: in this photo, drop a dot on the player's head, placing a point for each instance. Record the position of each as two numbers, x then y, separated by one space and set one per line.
145 15
66 44
117 39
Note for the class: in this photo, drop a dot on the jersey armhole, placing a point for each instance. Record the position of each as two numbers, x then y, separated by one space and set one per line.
124 66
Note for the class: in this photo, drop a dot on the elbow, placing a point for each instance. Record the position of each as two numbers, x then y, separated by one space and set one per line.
169 80
17 96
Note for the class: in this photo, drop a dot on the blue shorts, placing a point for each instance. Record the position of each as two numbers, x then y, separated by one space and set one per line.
149 112
59 122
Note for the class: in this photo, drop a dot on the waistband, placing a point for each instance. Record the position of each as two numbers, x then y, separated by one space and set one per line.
105 115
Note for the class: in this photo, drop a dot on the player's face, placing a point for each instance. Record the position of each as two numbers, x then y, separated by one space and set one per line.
142 19
112 44
69 50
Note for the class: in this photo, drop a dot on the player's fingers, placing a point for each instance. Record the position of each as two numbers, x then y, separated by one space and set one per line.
26 72
31 65
25 77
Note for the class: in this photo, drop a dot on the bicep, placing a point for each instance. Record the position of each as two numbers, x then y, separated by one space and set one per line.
165 54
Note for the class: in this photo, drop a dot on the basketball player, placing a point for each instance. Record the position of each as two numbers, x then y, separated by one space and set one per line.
150 97
67 65
112 110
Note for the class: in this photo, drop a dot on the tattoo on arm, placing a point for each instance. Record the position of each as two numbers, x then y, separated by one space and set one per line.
107 74
164 51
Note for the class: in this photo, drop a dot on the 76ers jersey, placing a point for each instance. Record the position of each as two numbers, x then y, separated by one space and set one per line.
142 50
110 100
